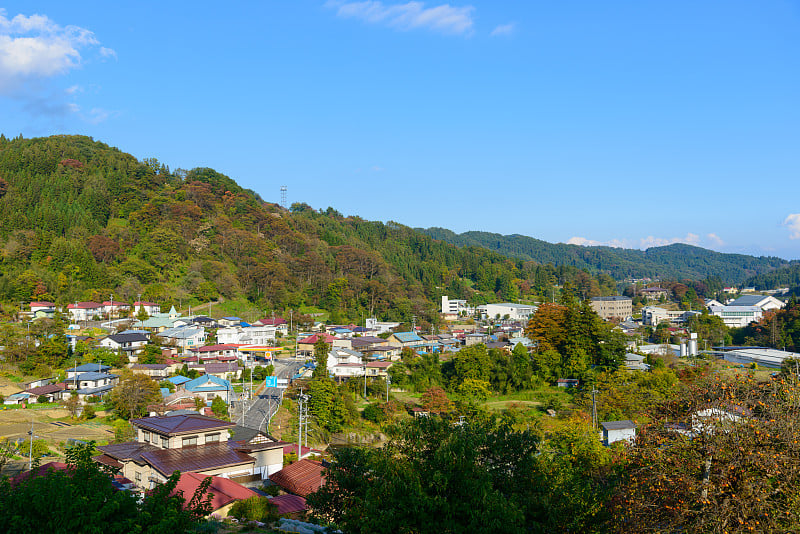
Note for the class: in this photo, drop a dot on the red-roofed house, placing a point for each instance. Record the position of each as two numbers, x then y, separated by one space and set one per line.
290 505
39 471
305 347
214 352
301 478
224 492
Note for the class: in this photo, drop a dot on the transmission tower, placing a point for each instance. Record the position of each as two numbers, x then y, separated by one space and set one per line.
283 196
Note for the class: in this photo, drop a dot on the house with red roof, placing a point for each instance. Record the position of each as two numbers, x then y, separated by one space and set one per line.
300 478
224 492
305 346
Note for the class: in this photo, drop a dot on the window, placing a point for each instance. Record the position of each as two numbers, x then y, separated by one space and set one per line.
138 477
190 441
146 436
212 438
165 442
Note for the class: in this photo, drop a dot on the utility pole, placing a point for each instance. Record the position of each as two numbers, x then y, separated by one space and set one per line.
302 416
594 409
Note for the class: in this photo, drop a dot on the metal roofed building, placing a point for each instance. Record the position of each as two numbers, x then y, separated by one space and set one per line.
191 442
765 302
772 358
614 431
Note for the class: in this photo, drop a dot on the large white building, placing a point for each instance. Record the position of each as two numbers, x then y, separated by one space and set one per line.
452 309
737 316
515 312
653 315
765 302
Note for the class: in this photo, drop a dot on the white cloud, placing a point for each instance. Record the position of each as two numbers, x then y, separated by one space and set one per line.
792 222
715 240
409 16
650 241
36 47
644 243
503 29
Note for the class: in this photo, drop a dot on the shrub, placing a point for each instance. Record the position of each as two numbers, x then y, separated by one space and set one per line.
373 413
254 509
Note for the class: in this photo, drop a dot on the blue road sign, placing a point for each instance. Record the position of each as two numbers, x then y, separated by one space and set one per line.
271 382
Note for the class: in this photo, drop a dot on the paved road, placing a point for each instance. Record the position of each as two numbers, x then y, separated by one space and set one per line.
264 406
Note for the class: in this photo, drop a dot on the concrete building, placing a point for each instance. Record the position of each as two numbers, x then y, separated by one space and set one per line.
617 307
765 302
653 316
515 312
452 309
737 316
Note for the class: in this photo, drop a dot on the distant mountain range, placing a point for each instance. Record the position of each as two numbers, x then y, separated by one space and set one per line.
676 261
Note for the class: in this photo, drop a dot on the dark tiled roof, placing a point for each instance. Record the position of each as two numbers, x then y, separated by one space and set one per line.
301 478
180 424
44 390
130 450
107 460
127 338
202 458
618 425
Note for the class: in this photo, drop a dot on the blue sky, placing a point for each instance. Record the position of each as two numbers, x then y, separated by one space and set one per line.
631 123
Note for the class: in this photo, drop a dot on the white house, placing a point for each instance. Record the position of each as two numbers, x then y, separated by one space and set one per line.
379 327
614 431
151 308
184 337
84 311
250 335
129 343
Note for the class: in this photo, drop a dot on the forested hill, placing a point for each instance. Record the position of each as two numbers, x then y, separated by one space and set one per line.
788 276
80 220
677 261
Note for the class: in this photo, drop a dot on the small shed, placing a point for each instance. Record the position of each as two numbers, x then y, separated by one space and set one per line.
614 431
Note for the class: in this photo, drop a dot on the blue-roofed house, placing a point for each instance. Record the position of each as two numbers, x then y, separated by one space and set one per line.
230 321
179 381
406 339
91 384
19 398
208 386
87 368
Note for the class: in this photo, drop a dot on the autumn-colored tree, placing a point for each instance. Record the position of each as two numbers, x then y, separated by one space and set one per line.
131 397
721 457
548 327
103 249
435 400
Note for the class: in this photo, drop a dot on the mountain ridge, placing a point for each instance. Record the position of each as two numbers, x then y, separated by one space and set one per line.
677 260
